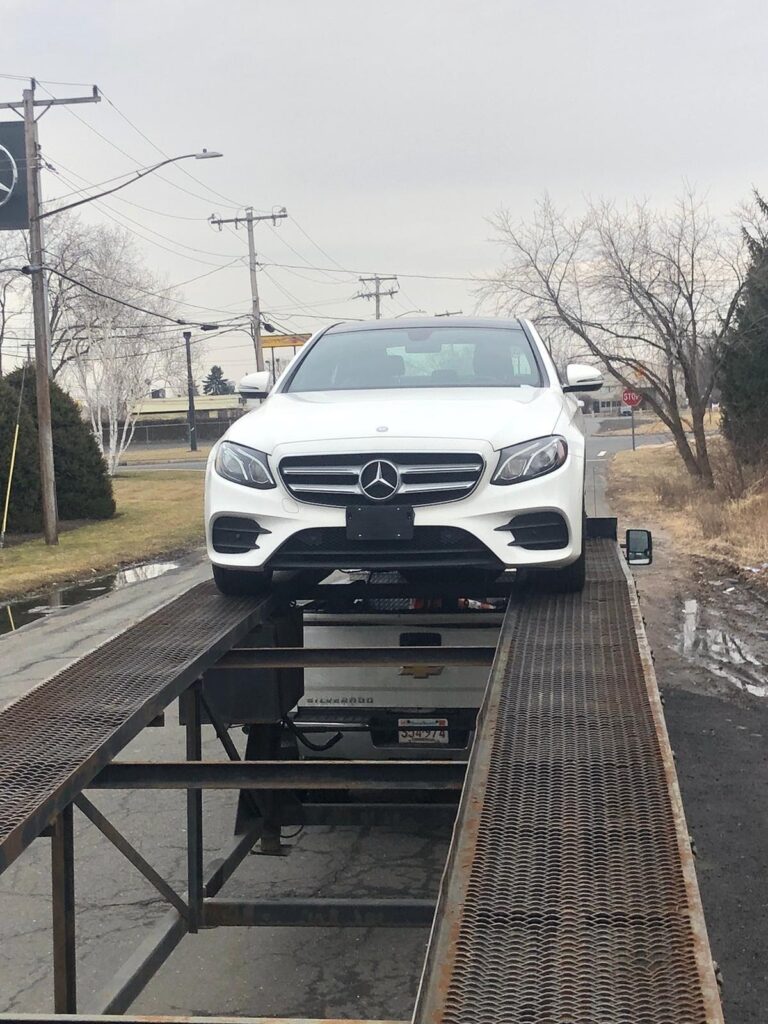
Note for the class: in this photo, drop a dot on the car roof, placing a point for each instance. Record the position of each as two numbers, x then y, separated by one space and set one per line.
414 322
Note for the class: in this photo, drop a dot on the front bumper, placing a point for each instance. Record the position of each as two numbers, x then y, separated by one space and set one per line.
483 515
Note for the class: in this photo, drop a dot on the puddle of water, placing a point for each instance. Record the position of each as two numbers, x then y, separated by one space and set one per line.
15 614
726 635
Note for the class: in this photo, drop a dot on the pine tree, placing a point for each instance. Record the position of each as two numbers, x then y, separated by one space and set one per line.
744 374
83 488
216 383
24 514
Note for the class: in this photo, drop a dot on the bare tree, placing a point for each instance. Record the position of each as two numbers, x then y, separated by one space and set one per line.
13 294
122 353
651 294
71 249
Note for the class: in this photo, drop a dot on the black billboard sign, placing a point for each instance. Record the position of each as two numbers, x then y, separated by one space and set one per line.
13 177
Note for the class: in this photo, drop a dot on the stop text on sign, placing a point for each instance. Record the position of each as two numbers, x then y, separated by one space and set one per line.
631 398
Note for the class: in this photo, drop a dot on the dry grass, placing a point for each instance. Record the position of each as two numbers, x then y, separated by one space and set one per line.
651 485
654 426
157 514
139 455
712 421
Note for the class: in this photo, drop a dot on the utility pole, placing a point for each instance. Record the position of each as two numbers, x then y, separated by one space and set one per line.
249 220
26 109
377 293
190 394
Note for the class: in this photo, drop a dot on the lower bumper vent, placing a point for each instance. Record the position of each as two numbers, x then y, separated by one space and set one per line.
538 531
235 535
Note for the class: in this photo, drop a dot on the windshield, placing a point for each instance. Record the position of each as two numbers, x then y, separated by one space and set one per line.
422 357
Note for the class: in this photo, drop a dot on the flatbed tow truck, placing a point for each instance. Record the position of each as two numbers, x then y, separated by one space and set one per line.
569 894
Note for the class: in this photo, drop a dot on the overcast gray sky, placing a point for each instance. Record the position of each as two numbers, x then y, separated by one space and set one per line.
390 131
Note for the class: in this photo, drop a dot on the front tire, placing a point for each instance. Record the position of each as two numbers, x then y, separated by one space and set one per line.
240 582
568 580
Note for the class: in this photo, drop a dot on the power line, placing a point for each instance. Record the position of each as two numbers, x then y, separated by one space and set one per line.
162 294
227 199
116 213
421 277
47 81
103 295
318 247
133 159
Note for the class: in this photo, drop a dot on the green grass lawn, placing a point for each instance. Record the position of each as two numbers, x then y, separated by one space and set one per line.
165 454
158 514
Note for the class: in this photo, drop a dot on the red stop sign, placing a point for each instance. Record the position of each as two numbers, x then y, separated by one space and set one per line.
631 398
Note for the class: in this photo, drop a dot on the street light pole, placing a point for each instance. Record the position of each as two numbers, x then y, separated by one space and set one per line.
205 154
190 394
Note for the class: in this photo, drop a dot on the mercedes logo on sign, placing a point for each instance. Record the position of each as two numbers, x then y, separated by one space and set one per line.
379 480
9 175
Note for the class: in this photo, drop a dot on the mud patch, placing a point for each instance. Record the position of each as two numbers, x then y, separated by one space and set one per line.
724 630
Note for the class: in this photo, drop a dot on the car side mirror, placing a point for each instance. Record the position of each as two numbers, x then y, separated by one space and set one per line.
254 385
639 547
580 377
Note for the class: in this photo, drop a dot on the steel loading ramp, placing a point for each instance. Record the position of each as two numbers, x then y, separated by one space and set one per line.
569 896
57 737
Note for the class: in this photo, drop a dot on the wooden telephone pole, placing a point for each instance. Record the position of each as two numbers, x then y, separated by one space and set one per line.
377 293
26 109
249 220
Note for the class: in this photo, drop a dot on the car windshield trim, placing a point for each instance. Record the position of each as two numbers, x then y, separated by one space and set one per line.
418 358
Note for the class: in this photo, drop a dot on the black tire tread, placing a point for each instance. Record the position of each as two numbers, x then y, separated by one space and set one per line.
240 582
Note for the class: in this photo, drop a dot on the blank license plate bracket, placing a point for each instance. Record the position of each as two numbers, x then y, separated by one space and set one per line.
378 522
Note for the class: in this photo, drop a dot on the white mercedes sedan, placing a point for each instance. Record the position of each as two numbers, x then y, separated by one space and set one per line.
437 447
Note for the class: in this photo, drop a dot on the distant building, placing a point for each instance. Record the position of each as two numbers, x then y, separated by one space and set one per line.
213 407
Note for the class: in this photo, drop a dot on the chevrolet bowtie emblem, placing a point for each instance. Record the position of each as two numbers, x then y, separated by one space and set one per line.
421 671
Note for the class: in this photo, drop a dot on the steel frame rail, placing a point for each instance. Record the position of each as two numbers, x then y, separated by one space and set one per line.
141 671
176 652
570 892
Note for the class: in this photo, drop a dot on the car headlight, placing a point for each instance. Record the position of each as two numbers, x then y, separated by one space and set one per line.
243 465
530 459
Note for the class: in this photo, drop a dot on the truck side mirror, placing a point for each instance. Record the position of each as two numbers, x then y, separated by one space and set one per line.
639 547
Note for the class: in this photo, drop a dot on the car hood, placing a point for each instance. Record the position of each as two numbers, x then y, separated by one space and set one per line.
499 416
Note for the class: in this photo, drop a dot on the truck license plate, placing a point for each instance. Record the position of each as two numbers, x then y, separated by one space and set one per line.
418 731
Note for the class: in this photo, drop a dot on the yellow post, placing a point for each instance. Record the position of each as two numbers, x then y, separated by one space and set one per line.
10 481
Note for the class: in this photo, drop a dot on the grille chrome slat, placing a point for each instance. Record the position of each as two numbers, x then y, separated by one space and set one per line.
409 470
454 485
326 488
425 478
322 471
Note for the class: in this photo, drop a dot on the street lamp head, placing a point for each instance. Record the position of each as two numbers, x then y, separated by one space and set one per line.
207 154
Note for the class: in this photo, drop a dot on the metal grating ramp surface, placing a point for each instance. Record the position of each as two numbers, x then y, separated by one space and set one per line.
56 738
569 895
